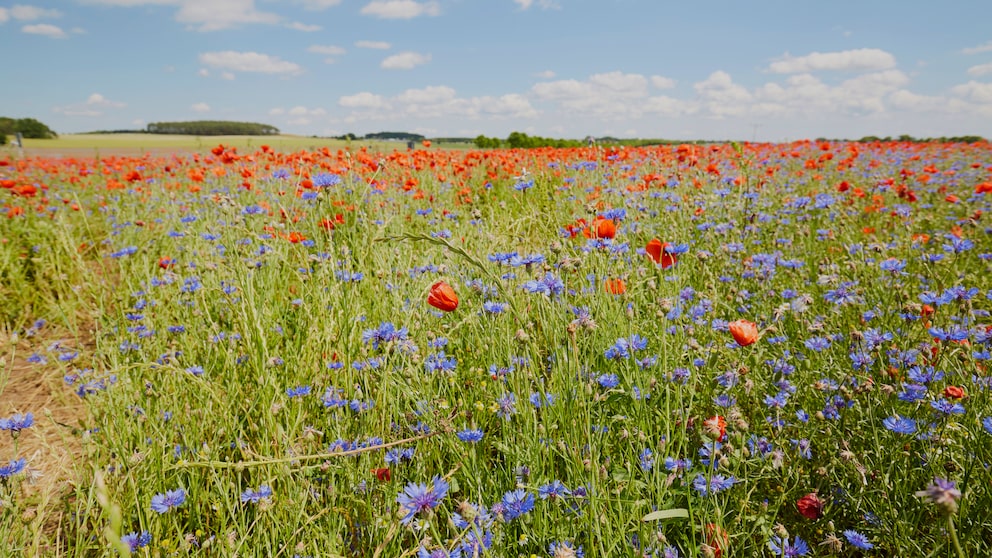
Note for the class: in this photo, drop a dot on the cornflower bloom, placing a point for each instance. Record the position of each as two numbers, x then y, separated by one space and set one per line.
470 436
716 484
516 503
900 425
163 503
419 498
256 496
780 546
136 540
942 492
858 540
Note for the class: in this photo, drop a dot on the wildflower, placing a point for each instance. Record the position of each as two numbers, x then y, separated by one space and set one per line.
987 424
136 540
780 546
516 503
604 228
716 426
470 436
553 490
17 422
660 253
163 503
298 391
716 484
615 286
744 332
565 549
717 539
256 496
548 285
900 425
442 297
11 469
858 540
810 506
418 498
942 492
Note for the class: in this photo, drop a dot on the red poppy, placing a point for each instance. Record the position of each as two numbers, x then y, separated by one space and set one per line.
744 332
810 506
954 392
382 474
656 249
615 286
604 228
717 539
165 262
442 297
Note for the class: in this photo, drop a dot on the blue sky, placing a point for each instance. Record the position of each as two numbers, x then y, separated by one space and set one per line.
762 70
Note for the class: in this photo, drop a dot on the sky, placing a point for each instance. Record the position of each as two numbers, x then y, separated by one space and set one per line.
760 70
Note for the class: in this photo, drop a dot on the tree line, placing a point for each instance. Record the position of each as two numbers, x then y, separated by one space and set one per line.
212 128
27 127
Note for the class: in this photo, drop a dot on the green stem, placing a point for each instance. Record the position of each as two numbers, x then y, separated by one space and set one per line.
954 536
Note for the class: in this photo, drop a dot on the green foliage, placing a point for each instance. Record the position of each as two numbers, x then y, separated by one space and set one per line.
482 142
401 136
29 128
212 128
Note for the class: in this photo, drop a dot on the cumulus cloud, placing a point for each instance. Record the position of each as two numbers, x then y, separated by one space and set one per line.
375 45
975 91
546 74
405 61
94 105
437 101
319 4
848 60
985 47
330 52
299 115
401 9
661 82
609 95
543 4
206 15
305 27
45 29
31 13
980 70
235 61
200 107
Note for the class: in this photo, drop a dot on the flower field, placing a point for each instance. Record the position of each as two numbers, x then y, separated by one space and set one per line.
695 350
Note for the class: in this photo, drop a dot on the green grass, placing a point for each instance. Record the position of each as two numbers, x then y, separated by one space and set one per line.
128 143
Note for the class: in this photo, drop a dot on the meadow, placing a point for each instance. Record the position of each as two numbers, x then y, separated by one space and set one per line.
726 350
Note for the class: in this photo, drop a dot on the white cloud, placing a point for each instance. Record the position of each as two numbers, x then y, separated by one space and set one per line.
203 72
363 100
45 29
543 4
319 4
377 45
31 13
546 74
986 47
94 105
975 91
200 107
227 75
299 115
405 61
206 15
401 9
249 62
661 82
610 95
4 15
847 60
326 50
721 96
980 70
306 28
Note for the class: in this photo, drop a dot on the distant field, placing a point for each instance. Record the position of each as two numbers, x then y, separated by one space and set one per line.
131 144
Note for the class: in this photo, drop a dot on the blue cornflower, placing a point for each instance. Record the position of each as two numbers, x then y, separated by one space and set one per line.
493 307
325 180
17 422
163 503
947 407
900 425
470 436
892 265
987 424
548 285
516 503
817 343
506 406
256 496
858 540
608 381
782 547
553 490
298 391
136 540
717 483
11 469
647 459
419 498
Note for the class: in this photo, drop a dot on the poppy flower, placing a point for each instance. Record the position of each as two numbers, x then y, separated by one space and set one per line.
810 506
615 286
165 262
717 539
604 228
442 297
744 332
656 249
954 392
382 474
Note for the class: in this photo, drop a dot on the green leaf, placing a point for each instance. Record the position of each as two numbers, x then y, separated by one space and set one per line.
674 513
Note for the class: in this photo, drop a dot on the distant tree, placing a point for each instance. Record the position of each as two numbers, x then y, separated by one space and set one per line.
28 127
212 128
3 138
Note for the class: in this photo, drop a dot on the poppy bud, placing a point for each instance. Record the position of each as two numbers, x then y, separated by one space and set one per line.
744 332
442 297
810 506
